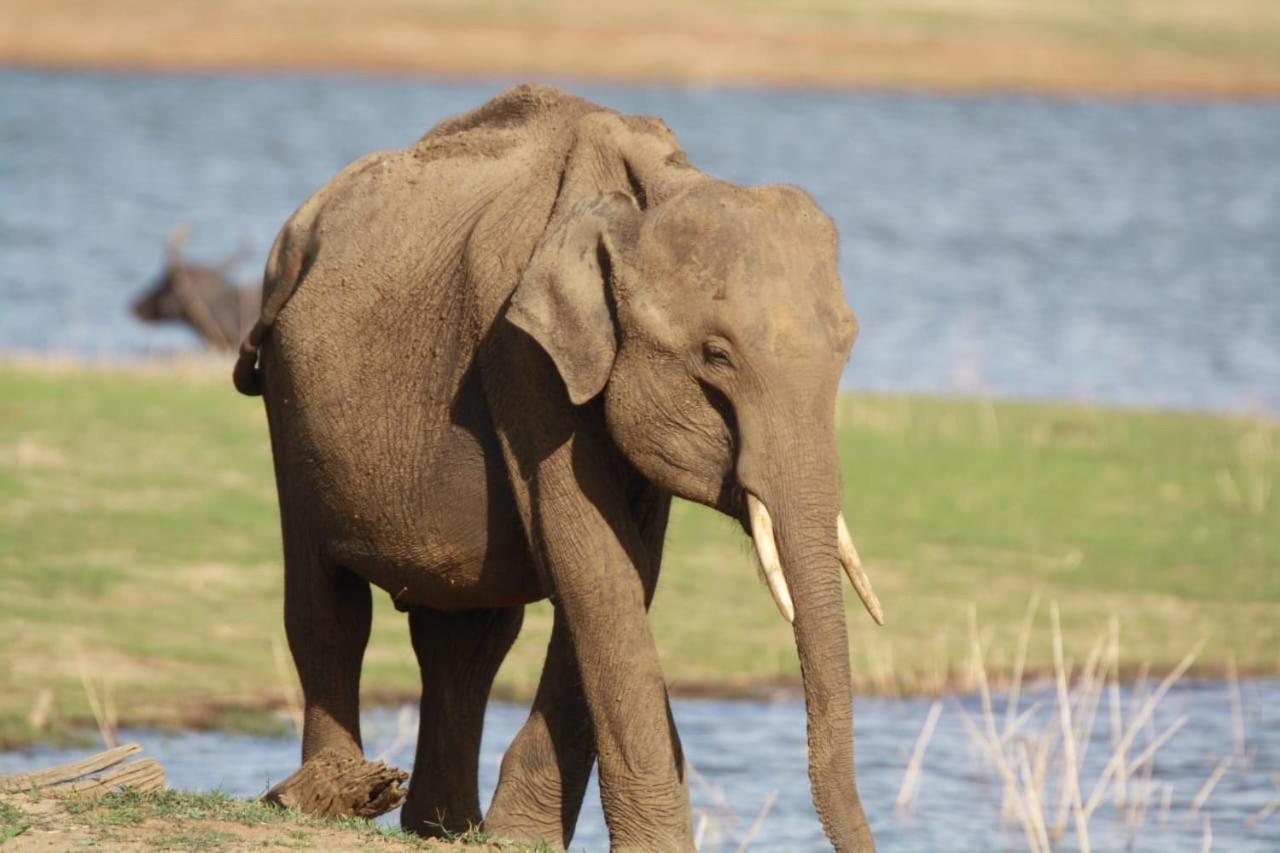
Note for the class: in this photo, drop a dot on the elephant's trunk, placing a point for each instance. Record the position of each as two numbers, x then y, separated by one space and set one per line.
801 502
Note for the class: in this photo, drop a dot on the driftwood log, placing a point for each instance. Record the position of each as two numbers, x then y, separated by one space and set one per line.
142 776
334 784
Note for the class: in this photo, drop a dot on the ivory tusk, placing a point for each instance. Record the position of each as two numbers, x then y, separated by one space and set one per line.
767 550
853 568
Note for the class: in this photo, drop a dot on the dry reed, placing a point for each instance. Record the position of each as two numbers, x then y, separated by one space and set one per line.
1070 764
1206 790
756 824
406 734
102 703
1038 751
1166 802
1237 706
714 824
1268 810
911 778
992 742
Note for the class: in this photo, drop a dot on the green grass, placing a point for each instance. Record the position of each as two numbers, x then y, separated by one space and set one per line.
139 550
129 808
12 822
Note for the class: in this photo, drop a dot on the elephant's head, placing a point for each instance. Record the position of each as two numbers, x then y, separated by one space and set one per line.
715 327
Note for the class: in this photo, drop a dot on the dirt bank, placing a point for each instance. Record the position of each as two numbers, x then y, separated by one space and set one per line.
1227 48
179 820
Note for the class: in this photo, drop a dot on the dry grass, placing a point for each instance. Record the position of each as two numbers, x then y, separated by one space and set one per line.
910 788
1163 46
716 822
1038 756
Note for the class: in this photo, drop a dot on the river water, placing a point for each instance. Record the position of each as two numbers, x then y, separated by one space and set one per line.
1123 252
745 753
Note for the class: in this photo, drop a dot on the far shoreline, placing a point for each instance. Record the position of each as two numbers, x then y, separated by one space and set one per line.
570 81
1166 54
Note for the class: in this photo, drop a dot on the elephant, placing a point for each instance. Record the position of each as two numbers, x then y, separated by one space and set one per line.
490 361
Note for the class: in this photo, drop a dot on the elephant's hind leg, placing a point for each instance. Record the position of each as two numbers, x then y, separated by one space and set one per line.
459 654
327 615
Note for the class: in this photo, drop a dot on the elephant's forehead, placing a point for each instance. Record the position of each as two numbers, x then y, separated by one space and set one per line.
796 320
763 265
721 229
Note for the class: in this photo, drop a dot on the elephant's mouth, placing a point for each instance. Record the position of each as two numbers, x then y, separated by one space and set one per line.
760 525
732 501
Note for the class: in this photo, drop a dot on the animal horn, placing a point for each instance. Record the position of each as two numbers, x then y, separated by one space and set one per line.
767 551
177 238
853 568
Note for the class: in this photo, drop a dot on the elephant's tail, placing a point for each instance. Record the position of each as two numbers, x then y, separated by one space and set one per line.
247 375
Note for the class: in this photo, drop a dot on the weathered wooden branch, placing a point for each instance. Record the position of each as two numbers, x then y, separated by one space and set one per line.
70 771
334 784
142 776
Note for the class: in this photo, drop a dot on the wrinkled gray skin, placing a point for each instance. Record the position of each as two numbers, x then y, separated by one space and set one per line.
200 296
489 362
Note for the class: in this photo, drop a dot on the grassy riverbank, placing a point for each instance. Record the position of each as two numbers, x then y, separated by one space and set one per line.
1225 47
139 551
181 820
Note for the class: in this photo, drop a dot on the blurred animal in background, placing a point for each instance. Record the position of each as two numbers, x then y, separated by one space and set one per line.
203 297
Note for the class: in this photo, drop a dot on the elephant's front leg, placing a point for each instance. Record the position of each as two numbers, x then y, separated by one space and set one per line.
545 770
595 555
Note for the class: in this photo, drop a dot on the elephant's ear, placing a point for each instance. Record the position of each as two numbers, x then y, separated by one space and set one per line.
562 298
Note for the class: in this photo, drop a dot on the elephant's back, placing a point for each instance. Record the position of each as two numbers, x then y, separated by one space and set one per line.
399 223
385 269
518 137
522 115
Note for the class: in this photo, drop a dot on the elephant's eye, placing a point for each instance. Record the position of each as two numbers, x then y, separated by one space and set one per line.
716 355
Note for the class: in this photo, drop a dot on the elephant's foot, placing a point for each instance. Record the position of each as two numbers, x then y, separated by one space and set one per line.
339 784
533 820
434 813
437 821
538 798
